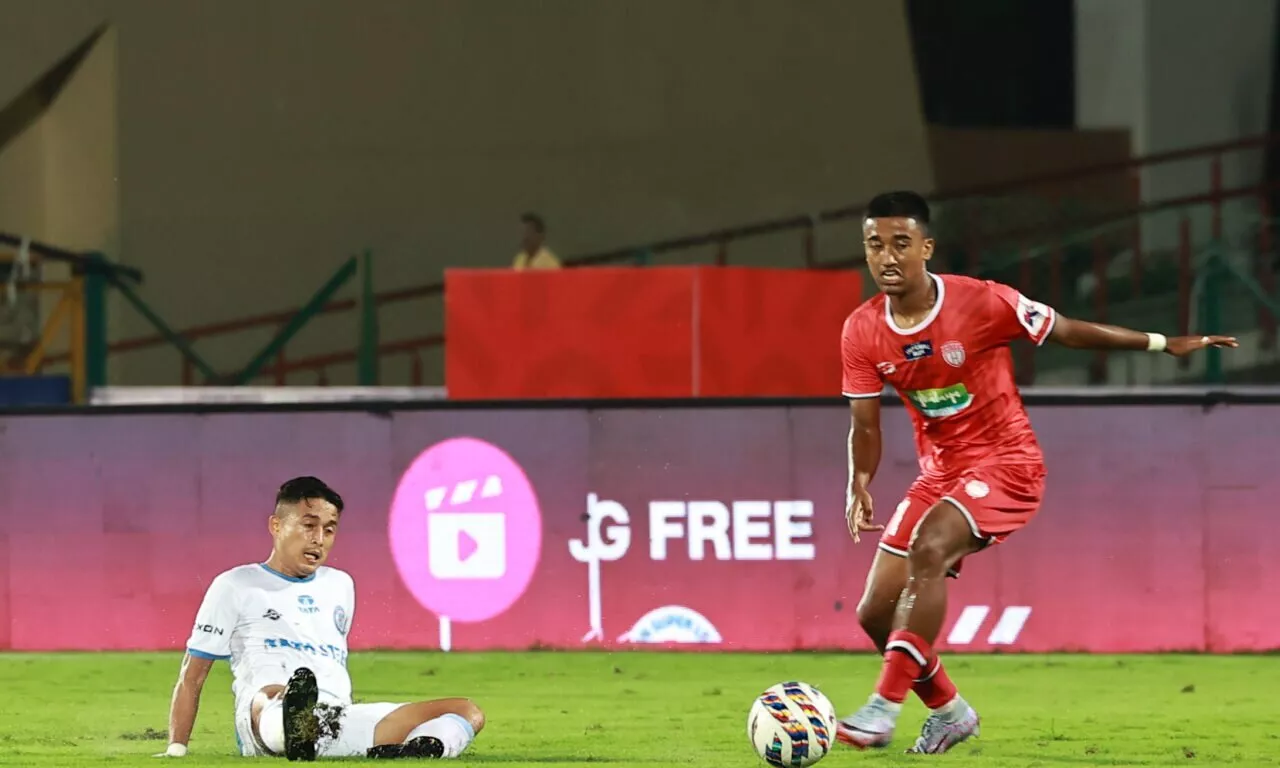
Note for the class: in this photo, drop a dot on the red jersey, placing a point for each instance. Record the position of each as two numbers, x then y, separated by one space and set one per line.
954 371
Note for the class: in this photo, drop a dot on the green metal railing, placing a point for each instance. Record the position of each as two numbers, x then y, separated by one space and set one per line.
101 279
1216 272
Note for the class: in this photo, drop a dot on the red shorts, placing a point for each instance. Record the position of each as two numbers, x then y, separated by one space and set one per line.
996 500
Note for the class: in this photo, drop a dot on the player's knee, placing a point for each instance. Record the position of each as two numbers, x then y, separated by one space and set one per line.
928 555
875 614
472 713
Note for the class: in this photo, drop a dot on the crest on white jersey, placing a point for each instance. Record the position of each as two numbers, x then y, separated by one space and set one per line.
953 353
340 620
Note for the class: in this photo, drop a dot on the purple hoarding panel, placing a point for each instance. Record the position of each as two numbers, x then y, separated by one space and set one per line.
711 527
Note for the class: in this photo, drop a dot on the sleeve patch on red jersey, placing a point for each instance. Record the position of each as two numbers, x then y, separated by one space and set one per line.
1033 316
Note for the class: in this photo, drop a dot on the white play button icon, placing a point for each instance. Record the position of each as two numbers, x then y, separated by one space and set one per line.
467 545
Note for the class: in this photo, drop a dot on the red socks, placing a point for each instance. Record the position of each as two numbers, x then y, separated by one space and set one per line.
935 689
910 664
906 657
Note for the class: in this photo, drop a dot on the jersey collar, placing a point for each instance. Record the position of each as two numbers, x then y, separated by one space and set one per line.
285 576
937 307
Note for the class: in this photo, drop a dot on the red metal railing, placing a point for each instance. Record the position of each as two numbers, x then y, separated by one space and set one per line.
1046 186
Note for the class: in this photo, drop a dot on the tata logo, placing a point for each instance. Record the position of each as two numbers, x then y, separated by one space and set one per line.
307 604
918 350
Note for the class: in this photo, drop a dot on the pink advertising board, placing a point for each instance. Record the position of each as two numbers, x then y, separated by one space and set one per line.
706 527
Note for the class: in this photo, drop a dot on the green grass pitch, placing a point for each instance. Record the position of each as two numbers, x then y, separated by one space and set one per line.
620 710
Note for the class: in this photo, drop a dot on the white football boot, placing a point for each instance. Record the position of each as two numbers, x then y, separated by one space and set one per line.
941 732
872 726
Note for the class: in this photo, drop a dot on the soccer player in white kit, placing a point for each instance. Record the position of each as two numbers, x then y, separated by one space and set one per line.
283 625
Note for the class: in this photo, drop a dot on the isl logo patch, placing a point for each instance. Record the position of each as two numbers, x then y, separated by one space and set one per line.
672 624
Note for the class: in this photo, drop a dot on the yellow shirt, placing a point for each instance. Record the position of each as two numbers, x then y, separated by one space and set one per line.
543 259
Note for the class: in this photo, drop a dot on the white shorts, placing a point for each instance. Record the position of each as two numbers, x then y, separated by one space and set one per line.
355 736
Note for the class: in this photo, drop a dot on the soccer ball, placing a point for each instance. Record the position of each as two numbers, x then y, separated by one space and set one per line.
792 725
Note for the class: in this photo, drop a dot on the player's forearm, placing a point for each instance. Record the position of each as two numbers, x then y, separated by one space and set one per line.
864 455
182 712
1080 334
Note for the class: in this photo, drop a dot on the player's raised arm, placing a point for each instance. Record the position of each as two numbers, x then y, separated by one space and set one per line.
210 640
1081 334
1014 315
862 385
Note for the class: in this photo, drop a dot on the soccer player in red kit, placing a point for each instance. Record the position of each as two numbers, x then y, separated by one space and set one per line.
942 341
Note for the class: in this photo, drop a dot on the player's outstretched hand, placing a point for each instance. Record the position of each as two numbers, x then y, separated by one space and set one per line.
1181 346
859 514
174 750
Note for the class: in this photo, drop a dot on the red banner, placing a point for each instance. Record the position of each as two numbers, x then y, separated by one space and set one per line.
718 527
645 332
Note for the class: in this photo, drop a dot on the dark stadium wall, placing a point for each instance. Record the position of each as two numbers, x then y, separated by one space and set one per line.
997 82
1179 73
995 63
258 144
964 158
1015 89
1273 117
58 149
59 164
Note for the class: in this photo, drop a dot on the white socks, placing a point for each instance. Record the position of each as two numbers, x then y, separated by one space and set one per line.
953 709
894 708
271 726
454 731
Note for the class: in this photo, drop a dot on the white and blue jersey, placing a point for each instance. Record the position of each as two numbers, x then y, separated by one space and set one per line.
269 624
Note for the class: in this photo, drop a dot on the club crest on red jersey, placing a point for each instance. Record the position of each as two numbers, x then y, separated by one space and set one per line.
953 353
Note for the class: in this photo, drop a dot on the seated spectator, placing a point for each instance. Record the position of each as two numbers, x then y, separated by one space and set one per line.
534 254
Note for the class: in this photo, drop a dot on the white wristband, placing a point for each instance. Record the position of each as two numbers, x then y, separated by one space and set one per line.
176 750
1156 342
